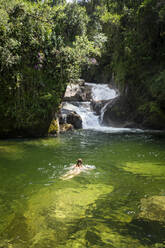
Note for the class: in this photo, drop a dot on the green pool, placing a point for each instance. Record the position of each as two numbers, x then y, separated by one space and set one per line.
119 204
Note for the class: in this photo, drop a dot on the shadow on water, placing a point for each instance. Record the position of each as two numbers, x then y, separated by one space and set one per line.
111 231
147 231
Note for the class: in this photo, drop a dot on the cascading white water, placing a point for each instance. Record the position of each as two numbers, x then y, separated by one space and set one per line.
102 111
102 92
90 120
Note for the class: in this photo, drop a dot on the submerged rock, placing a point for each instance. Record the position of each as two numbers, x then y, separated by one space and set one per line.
151 220
51 211
65 204
153 208
146 169
102 235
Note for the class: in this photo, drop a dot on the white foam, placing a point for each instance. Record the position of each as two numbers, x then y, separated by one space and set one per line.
90 120
74 171
102 92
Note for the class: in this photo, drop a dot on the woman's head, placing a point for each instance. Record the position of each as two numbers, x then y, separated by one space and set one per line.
79 162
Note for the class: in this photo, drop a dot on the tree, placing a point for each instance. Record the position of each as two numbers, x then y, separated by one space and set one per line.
37 61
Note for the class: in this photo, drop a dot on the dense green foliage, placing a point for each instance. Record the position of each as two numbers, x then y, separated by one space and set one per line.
45 44
134 53
41 49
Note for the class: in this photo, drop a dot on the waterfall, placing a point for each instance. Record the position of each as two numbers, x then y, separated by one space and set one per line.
102 111
102 92
90 120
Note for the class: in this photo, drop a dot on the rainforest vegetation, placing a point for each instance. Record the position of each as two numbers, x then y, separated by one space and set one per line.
46 44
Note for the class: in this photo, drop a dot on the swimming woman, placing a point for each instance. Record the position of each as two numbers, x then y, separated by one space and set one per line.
79 163
76 169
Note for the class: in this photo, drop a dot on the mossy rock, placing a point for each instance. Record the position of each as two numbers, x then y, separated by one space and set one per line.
117 112
6 244
153 208
151 115
54 127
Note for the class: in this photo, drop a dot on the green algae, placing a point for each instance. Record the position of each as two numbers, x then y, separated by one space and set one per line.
49 142
146 169
11 151
115 239
50 210
68 203
16 150
98 209
153 208
105 237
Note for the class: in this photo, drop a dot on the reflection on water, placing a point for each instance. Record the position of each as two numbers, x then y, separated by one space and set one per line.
120 203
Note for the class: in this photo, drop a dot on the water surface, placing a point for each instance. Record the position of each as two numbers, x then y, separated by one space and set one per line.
97 208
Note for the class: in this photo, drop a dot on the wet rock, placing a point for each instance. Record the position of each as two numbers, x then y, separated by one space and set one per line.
153 208
98 105
117 113
63 204
124 112
69 117
66 127
129 124
79 81
54 127
77 92
74 119
63 116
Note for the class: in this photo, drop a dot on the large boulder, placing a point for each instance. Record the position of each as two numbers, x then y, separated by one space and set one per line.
118 113
74 119
124 112
67 116
70 117
78 92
